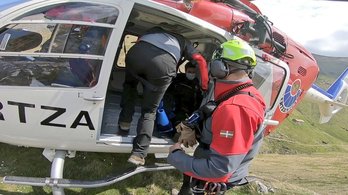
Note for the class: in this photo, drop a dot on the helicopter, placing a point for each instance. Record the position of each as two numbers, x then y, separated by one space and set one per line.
62 69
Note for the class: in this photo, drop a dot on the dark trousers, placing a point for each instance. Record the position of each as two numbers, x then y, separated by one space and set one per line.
156 68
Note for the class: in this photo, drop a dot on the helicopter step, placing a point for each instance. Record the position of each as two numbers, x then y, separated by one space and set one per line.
114 140
69 183
110 133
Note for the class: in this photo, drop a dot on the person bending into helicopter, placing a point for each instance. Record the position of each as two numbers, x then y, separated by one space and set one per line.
153 60
230 124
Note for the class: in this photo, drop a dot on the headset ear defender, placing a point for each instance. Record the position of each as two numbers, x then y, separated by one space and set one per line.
218 69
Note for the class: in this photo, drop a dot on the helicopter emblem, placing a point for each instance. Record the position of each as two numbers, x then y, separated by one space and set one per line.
291 95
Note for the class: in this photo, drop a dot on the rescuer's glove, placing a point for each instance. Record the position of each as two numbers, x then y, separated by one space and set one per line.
187 134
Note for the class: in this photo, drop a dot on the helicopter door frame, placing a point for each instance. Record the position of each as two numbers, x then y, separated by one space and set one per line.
271 77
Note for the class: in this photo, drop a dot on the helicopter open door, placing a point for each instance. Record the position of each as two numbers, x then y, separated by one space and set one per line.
141 19
52 71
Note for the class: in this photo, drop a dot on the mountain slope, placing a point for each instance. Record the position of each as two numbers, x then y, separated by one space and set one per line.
331 66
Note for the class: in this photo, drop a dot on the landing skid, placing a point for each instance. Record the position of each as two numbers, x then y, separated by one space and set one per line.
57 183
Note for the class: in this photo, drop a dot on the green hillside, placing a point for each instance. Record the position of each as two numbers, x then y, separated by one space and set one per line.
309 137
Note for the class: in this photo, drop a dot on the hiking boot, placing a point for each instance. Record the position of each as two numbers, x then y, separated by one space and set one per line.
124 126
136 160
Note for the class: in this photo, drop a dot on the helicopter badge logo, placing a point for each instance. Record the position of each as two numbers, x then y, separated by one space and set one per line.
291 95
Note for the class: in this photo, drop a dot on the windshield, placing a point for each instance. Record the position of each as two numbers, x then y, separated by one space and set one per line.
269 79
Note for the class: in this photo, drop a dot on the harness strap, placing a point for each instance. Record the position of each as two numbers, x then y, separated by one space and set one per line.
208 108
233 92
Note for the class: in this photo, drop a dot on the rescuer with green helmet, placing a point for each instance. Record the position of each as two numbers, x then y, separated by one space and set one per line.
230 120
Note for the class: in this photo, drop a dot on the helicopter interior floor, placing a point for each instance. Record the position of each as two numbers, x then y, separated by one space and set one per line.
110 130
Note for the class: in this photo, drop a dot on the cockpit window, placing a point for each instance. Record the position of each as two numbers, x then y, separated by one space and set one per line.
68 39
268 78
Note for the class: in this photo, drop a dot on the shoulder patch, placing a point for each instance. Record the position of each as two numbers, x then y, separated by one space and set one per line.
226 134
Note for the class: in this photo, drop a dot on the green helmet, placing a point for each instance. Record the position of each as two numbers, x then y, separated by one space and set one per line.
236 50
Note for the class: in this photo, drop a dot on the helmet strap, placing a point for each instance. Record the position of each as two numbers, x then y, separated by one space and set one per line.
250 73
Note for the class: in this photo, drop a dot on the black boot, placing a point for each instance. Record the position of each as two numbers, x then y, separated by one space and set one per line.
186 186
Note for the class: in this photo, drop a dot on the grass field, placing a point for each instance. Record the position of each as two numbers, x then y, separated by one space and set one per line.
320 173
317 173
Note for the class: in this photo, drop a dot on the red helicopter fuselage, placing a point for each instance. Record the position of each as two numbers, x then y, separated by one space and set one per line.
243 19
